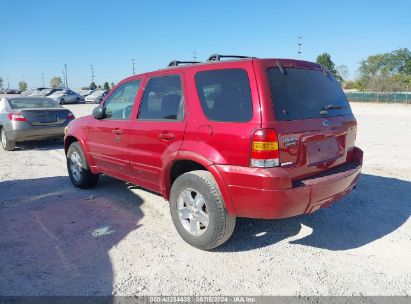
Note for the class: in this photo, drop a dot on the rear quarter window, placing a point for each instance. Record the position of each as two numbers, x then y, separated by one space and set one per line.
225 95
304 94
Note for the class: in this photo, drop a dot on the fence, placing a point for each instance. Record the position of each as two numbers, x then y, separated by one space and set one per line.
403 97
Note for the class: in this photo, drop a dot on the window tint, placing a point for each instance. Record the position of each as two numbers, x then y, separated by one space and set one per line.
163 99
225 95
23 103
120 103
303 94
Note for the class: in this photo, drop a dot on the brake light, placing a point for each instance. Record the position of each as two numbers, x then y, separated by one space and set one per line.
16 117
70 116
264 149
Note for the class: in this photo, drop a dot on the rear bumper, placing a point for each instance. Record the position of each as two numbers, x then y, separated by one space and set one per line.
36 133
270 193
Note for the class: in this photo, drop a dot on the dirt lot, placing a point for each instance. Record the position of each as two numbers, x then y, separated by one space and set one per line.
119 239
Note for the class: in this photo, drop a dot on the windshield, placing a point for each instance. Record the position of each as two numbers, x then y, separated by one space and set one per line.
23 103
305 94
57 93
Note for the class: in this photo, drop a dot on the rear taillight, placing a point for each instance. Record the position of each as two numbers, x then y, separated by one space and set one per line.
70 116
264 149
16 117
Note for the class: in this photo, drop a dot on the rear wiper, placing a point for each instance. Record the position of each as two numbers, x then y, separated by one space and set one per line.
333 107
324 110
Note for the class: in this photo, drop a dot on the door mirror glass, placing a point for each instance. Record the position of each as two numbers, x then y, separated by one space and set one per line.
99 112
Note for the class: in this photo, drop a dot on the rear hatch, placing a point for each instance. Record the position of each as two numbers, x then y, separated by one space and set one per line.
46 117
312 117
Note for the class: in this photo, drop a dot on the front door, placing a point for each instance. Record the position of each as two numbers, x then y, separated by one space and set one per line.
108 138
158 130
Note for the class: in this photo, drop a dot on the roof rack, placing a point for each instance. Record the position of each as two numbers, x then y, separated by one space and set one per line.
177 62
217 57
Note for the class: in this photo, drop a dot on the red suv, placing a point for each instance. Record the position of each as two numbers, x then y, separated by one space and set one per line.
243 137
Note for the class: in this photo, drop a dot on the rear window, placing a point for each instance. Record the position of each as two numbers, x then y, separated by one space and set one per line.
304 94
22 103
225 95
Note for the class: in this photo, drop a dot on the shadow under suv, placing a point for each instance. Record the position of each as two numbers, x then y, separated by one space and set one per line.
244 137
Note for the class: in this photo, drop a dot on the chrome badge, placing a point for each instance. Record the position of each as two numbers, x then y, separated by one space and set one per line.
326 123
289 141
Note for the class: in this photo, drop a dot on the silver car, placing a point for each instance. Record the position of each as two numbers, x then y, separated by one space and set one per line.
96 96
31 118
66 96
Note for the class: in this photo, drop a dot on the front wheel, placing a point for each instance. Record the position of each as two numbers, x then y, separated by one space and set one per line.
78 169
6 143
77 100
198 211
61 101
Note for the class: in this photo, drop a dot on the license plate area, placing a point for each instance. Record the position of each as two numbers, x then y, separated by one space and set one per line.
47 118
320 151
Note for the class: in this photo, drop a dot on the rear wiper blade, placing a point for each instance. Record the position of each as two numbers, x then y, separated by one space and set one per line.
333 107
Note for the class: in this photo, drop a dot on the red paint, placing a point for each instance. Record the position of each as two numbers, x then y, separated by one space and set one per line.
147 150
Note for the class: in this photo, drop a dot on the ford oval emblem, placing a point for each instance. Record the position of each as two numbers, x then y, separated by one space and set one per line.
326 123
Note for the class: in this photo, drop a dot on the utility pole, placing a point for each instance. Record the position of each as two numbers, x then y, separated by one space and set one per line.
42 79
299 44
8 84
195 56
92 73
65 69
64 78
134 72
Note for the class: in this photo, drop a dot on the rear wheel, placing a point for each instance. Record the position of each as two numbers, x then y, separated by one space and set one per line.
61 101
198 210
6 143
78 169
77 100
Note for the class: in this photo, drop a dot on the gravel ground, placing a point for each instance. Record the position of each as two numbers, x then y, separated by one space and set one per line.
119 239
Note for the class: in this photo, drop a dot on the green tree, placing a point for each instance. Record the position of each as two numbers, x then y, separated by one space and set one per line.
93 86
387 71
1 82
325 60
55 82
106 86
22 86
112 85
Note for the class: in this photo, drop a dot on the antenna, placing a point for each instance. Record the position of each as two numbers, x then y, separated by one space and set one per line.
92 73
132 60
299 44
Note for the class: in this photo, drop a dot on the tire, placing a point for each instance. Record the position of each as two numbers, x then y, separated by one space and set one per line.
220 224
77 100
78 169
61 101
7 144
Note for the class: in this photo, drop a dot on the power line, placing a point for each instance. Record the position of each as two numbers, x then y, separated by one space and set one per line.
132 60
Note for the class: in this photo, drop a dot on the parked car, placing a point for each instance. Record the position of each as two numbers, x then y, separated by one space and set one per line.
85 92
96 96
248 137
31 118
66 96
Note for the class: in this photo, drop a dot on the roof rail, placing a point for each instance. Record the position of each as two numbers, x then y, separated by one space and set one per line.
177 62
217 57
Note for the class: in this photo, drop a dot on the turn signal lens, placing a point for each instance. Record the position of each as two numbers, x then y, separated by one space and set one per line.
264 149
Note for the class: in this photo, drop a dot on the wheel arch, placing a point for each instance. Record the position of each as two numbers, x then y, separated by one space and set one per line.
187 162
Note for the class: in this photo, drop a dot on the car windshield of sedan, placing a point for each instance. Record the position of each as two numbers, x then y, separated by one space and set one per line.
23 103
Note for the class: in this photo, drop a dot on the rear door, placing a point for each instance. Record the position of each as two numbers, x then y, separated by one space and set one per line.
311 114
108 138
157 131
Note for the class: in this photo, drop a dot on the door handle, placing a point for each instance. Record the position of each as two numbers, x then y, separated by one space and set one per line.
166 136
118 132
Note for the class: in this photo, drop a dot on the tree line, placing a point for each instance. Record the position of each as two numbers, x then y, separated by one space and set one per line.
387 72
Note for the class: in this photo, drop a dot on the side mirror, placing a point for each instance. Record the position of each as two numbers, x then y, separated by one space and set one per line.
99 112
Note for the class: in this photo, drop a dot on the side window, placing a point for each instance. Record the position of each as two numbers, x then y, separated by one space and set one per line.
225 95
120 103
163 99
